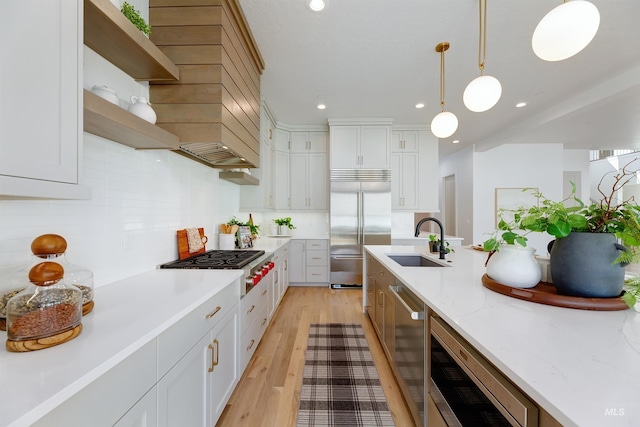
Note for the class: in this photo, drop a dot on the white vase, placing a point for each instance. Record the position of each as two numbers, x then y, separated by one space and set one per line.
514 266
283 230
141 108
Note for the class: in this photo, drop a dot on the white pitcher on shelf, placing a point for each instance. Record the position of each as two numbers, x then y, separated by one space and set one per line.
141 108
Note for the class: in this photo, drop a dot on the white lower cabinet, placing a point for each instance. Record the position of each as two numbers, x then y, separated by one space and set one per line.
195 391
309 262
143 414
106 400
254 319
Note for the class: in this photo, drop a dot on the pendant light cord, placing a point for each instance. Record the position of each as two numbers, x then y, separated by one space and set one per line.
482 37
442 80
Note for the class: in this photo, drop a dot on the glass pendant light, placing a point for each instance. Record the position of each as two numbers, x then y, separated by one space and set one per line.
485 91
444 124
565 30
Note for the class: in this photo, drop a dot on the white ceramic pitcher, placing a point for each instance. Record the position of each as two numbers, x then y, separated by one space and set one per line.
141 108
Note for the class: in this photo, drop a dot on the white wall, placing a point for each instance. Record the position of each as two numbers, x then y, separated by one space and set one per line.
578 160
514 166
461 164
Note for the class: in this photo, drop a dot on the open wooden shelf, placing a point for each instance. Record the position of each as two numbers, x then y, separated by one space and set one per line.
108 32
240 178
108 120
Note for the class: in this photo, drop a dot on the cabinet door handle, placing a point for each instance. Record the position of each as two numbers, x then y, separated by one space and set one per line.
251 309
213 313
217 344
251 344
212 363
286 264
263 322
264 292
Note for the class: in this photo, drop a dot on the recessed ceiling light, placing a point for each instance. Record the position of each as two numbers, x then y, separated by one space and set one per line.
321 106
316 5
521 104
420 105
455 141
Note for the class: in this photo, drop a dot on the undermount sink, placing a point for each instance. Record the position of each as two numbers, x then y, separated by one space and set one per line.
414 260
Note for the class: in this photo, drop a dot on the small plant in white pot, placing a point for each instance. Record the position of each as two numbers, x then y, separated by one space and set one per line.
284 225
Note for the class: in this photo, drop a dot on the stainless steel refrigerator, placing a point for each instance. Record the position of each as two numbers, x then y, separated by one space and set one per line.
360 209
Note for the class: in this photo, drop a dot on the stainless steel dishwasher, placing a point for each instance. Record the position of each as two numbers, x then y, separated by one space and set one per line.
410 357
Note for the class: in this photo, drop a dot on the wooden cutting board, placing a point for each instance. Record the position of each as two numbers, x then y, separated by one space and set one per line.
183 244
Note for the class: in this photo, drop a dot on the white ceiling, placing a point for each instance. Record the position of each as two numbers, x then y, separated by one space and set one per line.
376 58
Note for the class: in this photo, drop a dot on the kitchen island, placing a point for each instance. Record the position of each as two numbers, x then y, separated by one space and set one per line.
582 367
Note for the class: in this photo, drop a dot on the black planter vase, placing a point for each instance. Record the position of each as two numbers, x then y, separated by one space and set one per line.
582 265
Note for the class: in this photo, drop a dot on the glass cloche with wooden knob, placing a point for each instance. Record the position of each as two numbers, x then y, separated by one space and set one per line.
52 247
47 312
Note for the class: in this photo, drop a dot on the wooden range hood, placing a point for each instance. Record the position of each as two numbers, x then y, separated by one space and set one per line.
215 106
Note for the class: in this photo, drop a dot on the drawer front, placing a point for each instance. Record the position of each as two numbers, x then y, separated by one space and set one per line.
316 245
281 254
251 338
315 258
317 274
252 304
179 338
138 372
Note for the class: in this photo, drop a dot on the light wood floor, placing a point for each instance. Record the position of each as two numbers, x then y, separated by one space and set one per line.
268 393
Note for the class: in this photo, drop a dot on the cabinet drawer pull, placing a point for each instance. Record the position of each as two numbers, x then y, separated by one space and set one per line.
251 309
213 313
251 345
263 322
264 292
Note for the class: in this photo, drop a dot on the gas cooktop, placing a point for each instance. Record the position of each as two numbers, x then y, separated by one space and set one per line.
216 259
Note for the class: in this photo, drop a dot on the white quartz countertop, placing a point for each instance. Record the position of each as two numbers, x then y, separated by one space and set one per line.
583 367
127 315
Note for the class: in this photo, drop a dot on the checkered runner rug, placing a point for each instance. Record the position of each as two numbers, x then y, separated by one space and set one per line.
340 384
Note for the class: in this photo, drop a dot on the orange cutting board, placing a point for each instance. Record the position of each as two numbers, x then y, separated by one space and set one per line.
183 244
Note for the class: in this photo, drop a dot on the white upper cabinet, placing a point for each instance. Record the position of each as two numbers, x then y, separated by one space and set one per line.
405 141
281 167
312 142
414 170
360 146
308 181
41 99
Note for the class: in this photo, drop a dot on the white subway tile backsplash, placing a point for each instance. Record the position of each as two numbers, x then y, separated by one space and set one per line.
139 200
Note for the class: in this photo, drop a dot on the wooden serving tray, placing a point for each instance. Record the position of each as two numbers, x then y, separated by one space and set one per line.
546 293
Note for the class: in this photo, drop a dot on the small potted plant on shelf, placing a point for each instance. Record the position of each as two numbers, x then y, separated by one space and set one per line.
435 243
586 259
284 225
134 16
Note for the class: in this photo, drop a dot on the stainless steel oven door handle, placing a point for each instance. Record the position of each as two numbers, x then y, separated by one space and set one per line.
415 315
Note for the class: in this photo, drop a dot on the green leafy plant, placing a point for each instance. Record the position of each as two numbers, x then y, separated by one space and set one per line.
254 228
556 219
631 289
285 221
436 242
134 16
